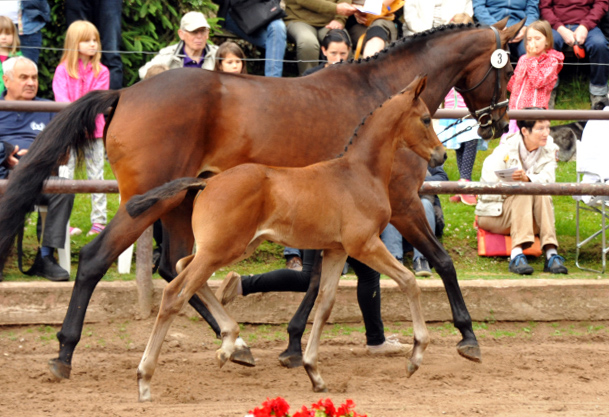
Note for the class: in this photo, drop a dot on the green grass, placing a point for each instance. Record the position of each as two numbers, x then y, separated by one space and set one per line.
459 236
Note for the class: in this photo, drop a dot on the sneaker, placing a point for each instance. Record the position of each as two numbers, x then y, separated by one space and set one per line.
391 346
455 198
49 268
96 229
294 263
469 199
519 265
421 267
555 265
75 231
229 288
598 102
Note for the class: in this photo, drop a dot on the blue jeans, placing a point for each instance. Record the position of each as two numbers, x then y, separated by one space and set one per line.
393 239
30 45
106 15
272 38
597 50
288 252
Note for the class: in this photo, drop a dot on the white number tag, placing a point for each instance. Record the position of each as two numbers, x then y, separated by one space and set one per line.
499 58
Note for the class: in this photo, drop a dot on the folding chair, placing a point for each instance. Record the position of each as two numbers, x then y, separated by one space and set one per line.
591 167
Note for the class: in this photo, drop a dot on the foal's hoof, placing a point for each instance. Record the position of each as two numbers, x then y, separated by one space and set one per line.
411 369
290 360
59 369
470 350
243 357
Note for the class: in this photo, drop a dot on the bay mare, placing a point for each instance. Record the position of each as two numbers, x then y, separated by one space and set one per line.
341 205
189 123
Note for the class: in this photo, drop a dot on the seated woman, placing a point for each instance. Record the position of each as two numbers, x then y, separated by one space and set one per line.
335 46
532 154
371 33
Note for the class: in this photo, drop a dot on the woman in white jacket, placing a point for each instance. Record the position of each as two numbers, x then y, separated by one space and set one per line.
420 15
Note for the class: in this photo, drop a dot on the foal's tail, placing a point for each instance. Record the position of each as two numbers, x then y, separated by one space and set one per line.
139 204
71 129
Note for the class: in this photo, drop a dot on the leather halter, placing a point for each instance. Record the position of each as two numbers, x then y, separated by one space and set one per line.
480 114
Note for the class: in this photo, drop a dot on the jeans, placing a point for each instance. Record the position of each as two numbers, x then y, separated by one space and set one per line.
597 50
106 15
30 45
287 252
272 39
307 39
393 239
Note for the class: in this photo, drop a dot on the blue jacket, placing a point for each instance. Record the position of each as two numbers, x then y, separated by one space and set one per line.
488 12
21 128
35 14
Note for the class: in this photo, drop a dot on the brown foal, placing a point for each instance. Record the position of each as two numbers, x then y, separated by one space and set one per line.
341 206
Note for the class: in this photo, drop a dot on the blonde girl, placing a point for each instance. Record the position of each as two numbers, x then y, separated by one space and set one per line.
80 71
9 43
230 58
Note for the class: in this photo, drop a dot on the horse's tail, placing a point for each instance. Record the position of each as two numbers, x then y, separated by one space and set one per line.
139 204
71 129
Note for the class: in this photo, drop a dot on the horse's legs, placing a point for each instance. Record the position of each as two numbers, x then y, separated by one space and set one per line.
413 225
376 256
332 265
95 259
292 356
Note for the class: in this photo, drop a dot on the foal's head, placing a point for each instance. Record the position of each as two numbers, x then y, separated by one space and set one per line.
415 129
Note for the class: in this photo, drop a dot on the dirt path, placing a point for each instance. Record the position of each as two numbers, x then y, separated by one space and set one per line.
546 369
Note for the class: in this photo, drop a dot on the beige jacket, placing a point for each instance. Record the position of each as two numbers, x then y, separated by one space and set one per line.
169 57
507 156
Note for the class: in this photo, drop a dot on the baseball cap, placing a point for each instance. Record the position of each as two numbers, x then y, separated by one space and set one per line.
192 21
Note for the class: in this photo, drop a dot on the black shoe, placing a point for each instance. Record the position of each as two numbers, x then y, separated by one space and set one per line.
519 265
555 265
1 277
421 267
156 259
49 268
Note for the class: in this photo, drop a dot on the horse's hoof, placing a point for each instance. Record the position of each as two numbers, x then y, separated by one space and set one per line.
243 357
470 350
411 369
221 357
59 369
321 388
290 360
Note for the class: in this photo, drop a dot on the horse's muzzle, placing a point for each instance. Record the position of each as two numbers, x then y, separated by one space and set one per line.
438 156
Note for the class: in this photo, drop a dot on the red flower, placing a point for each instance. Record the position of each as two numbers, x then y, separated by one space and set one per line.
279 407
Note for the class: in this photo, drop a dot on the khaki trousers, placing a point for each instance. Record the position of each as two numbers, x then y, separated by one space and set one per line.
523 217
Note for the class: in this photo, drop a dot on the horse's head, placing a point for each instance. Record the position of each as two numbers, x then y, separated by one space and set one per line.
484 85
416 129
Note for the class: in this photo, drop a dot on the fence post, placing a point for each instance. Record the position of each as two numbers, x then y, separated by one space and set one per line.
143 272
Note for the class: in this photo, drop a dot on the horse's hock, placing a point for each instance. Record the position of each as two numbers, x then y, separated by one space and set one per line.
24 303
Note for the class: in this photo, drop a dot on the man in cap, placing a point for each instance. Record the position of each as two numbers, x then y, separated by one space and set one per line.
192 51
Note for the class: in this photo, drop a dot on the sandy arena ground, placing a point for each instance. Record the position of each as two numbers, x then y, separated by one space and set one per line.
528 369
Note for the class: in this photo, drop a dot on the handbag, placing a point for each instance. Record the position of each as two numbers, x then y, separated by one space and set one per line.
252 15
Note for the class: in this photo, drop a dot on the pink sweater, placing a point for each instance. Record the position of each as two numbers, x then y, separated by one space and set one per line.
71 89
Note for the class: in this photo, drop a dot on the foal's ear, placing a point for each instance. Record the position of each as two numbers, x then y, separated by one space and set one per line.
500 25
419 85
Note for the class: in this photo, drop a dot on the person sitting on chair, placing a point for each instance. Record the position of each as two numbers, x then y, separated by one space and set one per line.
18 130
532 155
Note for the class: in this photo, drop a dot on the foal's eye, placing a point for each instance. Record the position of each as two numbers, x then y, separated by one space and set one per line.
426 120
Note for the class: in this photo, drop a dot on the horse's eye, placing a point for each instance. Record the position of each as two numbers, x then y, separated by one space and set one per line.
426 120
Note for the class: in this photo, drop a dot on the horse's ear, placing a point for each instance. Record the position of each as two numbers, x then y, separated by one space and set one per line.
419 85
500 25
509 33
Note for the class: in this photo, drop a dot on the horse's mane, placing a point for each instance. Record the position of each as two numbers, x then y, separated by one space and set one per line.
363 122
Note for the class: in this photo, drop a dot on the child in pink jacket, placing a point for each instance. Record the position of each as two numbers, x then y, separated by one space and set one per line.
79 72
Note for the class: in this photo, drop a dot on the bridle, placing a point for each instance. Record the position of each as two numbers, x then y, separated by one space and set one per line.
484 116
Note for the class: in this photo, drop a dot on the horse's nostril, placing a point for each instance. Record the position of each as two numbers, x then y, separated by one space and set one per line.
445 156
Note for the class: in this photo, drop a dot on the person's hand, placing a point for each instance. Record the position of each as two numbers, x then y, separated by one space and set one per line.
345 9
361 17
12 160
520 35
567 35
335 24
520 175
581 33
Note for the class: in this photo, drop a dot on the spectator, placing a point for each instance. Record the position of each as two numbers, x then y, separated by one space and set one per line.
536 72
230 58
79 71
35 14
421 15
575 22
532 155
9 42
19 129
433 212
309 21
192 51
489 12
368 296
371 33
272 38
335 46
107 18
